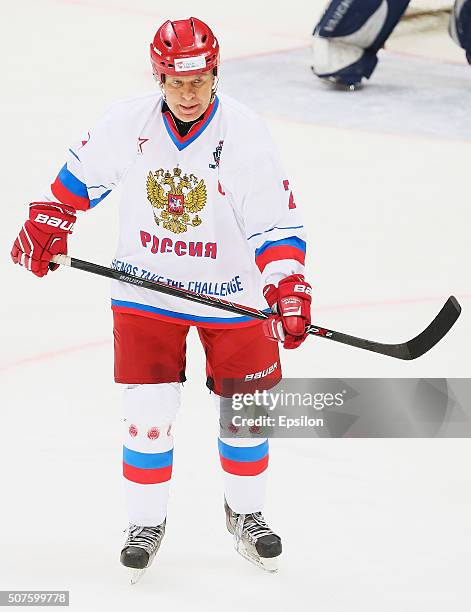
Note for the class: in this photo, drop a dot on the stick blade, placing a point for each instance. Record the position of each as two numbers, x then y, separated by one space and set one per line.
437 329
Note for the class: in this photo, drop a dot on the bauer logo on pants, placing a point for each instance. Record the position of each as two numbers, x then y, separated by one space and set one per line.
262 373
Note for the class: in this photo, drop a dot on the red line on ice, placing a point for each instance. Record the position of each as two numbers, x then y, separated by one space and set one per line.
46 356
53 354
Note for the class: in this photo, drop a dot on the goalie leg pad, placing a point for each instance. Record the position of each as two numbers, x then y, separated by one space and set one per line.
460 25
349 35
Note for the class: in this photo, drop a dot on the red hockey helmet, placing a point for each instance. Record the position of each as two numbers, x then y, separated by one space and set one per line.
184 47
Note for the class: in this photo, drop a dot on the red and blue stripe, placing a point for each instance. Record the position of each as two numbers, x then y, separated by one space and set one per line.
179 317
276 250
147 468
181 142
243 460
70 190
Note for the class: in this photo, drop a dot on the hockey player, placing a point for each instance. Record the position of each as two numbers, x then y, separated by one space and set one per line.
205 206
349 35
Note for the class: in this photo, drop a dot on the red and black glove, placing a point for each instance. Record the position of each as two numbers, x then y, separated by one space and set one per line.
291 303
43 235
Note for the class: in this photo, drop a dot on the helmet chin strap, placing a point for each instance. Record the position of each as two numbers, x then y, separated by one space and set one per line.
161 85
214 88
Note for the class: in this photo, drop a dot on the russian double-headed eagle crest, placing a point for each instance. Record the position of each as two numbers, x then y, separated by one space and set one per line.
176 200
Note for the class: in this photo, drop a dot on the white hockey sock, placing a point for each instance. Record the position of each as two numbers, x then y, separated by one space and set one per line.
149 411
244 462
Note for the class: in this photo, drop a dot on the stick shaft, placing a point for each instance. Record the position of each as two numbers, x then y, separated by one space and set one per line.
160 287
411 349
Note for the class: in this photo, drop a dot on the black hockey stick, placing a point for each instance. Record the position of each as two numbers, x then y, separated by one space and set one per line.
412 349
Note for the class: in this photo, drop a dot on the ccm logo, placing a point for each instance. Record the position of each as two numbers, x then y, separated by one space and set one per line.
303 289
67 226
261 374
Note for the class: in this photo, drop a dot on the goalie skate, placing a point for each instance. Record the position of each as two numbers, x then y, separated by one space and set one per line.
337 84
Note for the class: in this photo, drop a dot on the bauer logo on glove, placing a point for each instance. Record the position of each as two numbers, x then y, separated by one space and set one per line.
291 304
43 235
67 226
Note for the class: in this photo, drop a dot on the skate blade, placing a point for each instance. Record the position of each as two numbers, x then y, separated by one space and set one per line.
337 85
136 575
267 564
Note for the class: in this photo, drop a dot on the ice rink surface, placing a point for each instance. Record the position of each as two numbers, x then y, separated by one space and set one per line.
382 176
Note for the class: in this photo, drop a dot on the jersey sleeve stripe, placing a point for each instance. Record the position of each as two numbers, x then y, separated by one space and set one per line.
75 155
68 189
293 241
96 201
289 248
72 183
275 228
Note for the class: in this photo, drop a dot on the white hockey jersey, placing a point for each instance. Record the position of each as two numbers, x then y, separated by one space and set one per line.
211 212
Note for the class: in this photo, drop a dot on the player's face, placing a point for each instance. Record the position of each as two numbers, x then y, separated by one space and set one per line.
188 96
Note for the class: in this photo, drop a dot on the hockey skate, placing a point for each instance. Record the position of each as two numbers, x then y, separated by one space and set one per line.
337 83
253 539
140 548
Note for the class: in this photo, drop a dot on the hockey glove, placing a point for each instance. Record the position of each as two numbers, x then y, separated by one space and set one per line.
43 235
291 304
